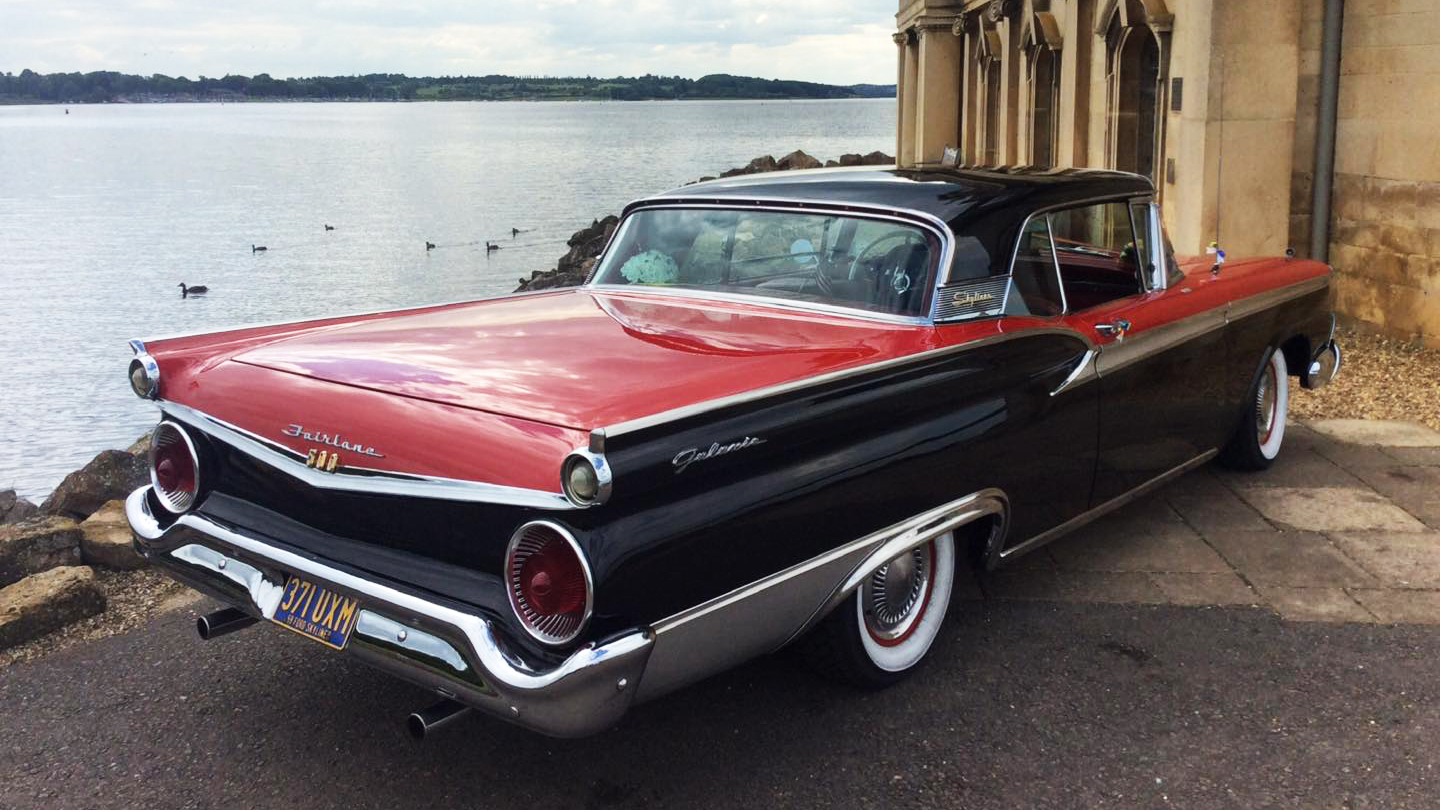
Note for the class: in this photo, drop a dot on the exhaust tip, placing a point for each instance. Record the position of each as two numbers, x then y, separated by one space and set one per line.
415 725
228 620
421 723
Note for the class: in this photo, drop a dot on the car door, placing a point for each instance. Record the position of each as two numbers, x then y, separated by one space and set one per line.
1161 349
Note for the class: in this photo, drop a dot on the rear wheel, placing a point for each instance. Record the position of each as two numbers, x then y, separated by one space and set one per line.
887 626
1257 440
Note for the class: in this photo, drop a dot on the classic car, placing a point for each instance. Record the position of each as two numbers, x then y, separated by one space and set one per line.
784 409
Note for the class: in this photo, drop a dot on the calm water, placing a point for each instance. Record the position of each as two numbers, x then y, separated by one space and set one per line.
105 210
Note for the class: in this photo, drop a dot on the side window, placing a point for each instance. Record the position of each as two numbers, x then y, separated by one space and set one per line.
1037 284
1098 254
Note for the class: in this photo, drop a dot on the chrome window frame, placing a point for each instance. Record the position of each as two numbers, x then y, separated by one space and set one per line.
1157 280
906 216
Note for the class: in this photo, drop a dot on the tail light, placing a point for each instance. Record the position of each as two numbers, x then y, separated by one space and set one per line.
549 582
174 468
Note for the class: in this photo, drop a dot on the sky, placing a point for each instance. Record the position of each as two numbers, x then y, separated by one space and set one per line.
812 40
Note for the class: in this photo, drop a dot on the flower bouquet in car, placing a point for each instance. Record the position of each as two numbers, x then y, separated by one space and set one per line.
650 267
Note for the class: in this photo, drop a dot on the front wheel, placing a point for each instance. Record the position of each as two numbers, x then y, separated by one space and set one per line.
887 626
1257 440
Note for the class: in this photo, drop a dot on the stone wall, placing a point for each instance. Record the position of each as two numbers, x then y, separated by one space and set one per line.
1385 231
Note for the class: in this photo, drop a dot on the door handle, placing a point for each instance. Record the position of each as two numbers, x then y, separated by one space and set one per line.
1117 329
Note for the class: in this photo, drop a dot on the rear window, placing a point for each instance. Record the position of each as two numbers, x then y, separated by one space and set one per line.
876 265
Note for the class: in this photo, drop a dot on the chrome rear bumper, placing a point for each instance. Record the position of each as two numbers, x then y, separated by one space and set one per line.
456 654
1323 367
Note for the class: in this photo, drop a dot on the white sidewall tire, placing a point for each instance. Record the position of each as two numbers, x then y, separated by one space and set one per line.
908 653
1270 448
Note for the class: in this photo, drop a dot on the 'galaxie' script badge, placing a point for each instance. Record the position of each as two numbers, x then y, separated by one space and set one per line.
685 458
332 439
969 297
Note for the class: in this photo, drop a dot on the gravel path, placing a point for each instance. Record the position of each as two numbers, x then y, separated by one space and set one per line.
1382 378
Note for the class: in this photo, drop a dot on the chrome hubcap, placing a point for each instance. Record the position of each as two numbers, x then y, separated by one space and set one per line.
1265 405
894 595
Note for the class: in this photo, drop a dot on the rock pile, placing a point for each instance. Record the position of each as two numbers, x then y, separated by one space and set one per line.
45 552
586 243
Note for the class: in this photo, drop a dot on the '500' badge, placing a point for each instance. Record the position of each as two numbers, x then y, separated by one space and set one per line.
323 460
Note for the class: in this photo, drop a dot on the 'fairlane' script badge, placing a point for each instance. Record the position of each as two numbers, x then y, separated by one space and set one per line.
685 458
968 298
332 439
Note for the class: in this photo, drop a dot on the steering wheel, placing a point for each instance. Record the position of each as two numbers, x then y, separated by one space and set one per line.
904 237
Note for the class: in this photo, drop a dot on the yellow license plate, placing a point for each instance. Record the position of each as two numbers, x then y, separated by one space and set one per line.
316 612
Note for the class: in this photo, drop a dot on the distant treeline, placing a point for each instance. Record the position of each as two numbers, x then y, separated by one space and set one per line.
106 86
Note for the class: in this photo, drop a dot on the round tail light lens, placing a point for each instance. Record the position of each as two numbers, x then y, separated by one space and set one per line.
174 468
549 582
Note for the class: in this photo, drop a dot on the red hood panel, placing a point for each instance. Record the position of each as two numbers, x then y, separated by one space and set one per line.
585 359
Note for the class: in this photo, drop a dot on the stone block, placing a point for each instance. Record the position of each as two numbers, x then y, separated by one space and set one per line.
36 545
1289 559
1315 604
1296 467
1397 559
1376 432
106 541
1204 589
1414 489
1401 607
1329 509
47 601
1149 539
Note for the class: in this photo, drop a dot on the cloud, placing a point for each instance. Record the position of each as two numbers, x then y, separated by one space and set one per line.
804 39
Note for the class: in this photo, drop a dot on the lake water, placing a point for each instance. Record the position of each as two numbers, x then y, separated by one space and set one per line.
105 210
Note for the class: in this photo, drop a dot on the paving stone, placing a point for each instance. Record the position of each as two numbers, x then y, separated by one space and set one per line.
1426 456
1205 589
1208 505
1339 509
1376 431
1414 489
1291 559
1400 606
1398 559
1129 543
1314 604
1355 457
1074 586
1294 468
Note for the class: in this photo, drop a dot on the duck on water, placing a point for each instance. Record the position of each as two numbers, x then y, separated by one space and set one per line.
199 289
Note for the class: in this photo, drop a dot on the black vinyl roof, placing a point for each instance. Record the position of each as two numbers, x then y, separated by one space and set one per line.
984 208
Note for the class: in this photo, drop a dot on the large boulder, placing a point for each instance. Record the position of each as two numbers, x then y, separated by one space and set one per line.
797 160
112 474
36 545
759 165
47 601
876 159
585 246
851 159
106 540
14 508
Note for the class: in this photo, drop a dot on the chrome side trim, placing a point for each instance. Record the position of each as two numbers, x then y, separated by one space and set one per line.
1100 511
1246 307
1084 372
771 612
587 692
696 409
760 300
361 479
1138 346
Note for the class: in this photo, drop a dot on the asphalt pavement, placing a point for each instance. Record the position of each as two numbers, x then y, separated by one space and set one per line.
1023 704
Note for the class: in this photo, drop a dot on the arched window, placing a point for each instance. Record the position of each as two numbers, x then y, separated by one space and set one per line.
1044 104
1135 74
990 73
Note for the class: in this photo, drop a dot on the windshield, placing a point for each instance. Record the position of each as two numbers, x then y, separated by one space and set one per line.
869 264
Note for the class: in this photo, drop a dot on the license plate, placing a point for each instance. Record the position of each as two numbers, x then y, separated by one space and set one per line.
317 612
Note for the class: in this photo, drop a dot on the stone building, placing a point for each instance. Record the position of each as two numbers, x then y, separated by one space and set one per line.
1220 103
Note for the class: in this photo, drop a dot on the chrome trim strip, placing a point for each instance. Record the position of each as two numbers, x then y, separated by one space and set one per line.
361 479
1138 346
903 215
401 311
1084 372
1245 307
760 300
687 411
584 694
1100 511
771 612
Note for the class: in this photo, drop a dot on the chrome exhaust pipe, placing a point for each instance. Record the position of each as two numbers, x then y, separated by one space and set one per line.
421 723
221 622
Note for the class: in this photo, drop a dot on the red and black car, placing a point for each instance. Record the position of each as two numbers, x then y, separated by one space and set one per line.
784 409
